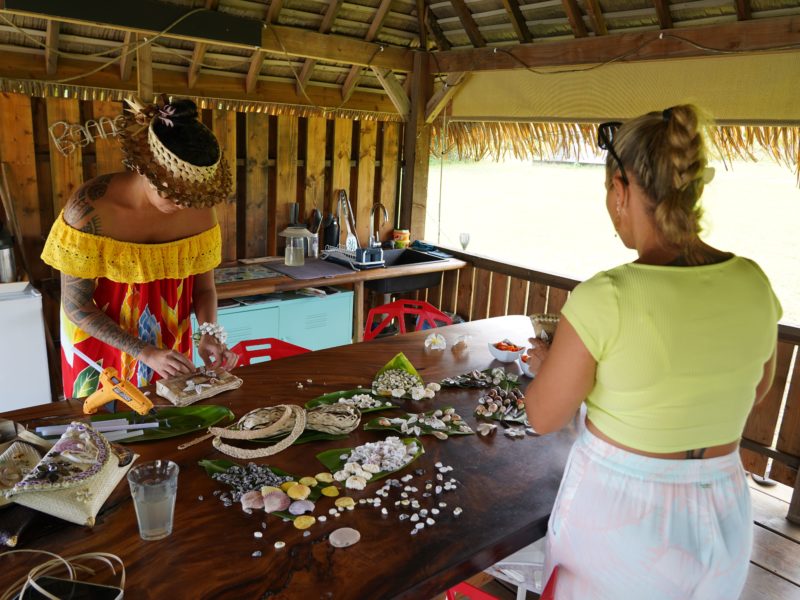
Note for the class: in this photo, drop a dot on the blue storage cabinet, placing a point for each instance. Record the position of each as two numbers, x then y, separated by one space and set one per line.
310 322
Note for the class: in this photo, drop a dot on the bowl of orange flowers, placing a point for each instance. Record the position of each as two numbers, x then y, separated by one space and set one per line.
506 351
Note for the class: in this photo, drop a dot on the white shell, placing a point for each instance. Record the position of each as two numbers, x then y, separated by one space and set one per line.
344 537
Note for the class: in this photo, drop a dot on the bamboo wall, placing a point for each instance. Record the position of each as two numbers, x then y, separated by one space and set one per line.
275 160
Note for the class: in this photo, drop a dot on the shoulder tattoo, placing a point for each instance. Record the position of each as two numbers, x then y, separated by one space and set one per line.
81 205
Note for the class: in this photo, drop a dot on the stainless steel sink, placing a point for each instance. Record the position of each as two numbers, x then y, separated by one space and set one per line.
408 283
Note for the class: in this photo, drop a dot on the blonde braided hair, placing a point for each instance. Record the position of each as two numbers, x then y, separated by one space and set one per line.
666 153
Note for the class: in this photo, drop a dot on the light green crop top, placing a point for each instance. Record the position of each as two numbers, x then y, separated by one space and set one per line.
679 350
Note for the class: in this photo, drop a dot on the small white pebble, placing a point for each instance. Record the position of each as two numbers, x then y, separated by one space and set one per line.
423 512
306 533
429 521
414 518
352 507
337 514
457 511
434 511
309 381
322 518
384 512
263 525
333 511
420 526
258 535
256 554
438 465
200 498
279 545
362 501
442 504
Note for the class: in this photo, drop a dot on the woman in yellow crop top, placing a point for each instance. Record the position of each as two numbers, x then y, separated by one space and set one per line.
670 354
136 251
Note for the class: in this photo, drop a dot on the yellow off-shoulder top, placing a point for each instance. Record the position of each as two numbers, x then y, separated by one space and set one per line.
89 256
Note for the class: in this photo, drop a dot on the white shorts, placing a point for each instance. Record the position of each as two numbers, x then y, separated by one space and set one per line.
626 526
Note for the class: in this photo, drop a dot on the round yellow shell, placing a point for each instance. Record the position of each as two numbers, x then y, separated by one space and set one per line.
324 477
298 491
269 488
344 502
331 491
304 521
287 484
309 481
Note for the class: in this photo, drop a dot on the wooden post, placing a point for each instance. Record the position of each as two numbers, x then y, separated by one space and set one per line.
416 151
366 180
144 71
108 151
66 171
257 128
223 123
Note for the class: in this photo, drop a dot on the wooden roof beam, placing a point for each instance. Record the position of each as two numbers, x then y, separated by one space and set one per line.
664 16
325 27
126 60
395 91
354 75
598 20
215 28
273 11
423 29
144 71
575 18
518 21
742 36
465 16
743 12
198 55
445 94
441 40
51 49
19 65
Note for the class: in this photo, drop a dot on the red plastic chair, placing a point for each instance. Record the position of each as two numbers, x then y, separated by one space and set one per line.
266 349
426 314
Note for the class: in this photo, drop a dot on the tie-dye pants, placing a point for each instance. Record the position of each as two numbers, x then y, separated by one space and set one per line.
626 526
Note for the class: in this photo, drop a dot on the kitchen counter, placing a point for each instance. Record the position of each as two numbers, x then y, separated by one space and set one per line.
283 283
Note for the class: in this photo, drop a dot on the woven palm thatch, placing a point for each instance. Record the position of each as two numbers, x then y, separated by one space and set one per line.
462 140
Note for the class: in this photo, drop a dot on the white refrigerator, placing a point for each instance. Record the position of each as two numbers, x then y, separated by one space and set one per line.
24 377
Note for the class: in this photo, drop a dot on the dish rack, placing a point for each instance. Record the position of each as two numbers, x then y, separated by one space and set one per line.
358 259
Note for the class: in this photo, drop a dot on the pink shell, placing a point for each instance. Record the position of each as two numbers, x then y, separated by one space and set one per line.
298 507
276 501
252 500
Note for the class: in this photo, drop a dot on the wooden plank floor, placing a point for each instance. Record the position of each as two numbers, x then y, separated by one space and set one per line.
774 566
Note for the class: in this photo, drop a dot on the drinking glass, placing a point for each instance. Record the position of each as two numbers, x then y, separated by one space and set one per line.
154 486
464 239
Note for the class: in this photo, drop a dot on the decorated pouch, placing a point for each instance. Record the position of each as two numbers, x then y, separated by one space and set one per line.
188 389
75 478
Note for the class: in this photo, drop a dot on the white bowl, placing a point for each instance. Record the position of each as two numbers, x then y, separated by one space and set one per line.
523 366
505 356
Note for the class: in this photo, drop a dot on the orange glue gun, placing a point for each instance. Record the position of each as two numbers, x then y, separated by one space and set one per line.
113 388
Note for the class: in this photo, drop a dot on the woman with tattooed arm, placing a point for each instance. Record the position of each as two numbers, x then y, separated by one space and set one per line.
136 251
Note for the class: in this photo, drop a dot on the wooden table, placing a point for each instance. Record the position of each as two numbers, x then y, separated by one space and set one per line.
284 283
507 491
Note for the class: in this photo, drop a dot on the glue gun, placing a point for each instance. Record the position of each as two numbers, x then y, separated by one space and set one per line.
113 388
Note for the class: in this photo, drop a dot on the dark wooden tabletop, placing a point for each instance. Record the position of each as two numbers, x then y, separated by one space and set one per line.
507 488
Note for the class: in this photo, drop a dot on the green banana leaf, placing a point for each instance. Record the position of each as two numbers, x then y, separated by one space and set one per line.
465 380
332 462
173 420
398 362
425 429
334 397
213 467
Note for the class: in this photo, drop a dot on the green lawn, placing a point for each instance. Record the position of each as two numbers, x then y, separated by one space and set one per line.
552 217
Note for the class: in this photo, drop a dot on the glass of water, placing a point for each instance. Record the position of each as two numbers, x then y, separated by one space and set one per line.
154 486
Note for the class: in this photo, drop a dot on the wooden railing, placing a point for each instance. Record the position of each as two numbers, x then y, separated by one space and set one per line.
490 288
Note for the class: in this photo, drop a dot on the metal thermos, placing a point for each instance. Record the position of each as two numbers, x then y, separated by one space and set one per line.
8 270
331 231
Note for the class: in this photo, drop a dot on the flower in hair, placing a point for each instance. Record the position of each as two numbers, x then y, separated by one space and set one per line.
165 112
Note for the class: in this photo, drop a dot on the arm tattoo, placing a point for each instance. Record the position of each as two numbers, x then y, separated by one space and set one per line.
81 205
79 307
92 226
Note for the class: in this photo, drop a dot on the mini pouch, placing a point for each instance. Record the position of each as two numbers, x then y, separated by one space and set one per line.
76 476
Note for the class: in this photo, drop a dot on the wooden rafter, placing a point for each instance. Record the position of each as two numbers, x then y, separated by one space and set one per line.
746 36
439 100
51 51
423 29
144 71
18 65
664 16
274 10
354 75
596 14
518 21
575 18
126 60
430 19
199 52
743 12
325 27
465 16
394 89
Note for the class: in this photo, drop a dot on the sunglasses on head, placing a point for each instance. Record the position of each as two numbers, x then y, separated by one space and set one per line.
605 141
